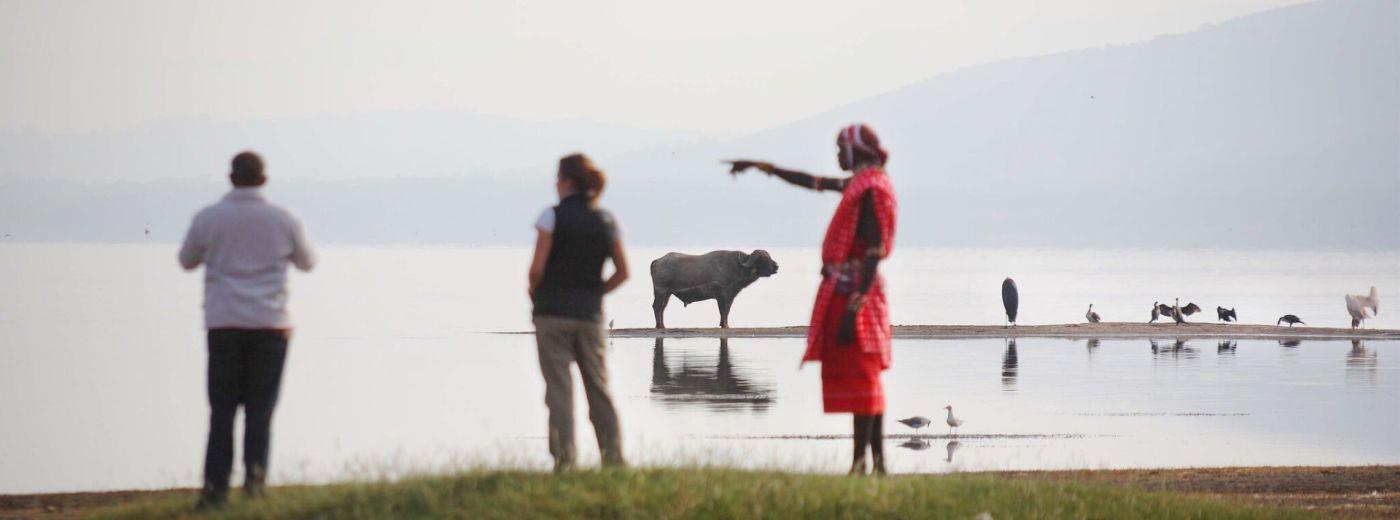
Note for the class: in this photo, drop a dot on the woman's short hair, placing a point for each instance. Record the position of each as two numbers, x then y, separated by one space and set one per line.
585 176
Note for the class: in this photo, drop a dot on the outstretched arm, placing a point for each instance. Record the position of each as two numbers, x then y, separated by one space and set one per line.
805 180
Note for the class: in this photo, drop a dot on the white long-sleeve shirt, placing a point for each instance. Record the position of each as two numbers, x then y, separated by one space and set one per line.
245 244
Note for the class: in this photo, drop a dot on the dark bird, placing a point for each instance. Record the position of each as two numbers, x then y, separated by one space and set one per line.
148 231
610 324
1164 309
1290 320
1177 312
1190 309
1010 299
1224 314
1092 316
916 422
1156 312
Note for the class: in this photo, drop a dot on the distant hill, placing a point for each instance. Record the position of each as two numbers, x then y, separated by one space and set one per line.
1275 130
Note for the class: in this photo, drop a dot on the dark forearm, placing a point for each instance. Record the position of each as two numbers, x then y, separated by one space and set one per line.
807 180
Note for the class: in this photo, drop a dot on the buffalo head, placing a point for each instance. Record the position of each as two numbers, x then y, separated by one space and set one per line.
759 263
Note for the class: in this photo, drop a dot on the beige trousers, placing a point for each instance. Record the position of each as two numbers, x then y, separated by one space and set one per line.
563 342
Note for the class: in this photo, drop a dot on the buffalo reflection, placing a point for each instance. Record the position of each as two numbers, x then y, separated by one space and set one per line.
721 388
1361 364
1009 366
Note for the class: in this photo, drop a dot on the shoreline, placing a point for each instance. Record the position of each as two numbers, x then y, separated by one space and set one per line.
1086 331
1363 491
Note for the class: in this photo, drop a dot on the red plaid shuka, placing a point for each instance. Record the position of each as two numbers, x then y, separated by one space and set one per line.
841 245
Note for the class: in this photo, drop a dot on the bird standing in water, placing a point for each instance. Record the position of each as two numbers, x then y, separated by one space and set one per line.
953 422
916 422
1092 316
1010 299
1290 320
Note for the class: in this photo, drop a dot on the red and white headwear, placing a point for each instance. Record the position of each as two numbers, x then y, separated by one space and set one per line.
859 137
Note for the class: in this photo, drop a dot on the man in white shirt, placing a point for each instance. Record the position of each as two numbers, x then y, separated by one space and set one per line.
245 244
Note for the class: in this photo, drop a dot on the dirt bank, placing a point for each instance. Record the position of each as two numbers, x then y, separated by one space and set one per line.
1362 491
1072 331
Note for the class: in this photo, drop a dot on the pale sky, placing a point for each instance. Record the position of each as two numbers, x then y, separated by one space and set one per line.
723 67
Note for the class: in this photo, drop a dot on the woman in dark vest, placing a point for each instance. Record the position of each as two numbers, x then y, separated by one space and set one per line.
576 237
850 327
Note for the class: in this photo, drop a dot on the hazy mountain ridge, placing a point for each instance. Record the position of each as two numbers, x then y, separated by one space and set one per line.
1277 130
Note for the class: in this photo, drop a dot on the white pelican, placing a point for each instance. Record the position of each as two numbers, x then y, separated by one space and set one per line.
1362 307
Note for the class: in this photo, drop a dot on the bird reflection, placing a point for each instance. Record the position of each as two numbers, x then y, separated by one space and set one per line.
722 388
1178 349
952 448
1361 364
915 444
1226 347
1009 366
1290 343
1092 345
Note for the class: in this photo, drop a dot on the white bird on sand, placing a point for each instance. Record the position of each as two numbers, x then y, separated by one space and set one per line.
1092 316
916 422
953 422
1362 307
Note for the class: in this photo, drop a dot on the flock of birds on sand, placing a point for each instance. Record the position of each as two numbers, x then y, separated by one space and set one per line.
1359 307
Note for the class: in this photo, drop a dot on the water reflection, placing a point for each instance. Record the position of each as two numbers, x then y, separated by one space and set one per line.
1361 365
721 388
1178 349
1009 366
915 444
1290 343
1226 347
952 448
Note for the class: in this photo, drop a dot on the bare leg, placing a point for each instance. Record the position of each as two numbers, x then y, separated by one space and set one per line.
877 443
861 435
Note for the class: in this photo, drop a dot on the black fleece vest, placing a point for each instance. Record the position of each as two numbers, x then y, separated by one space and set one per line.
573 275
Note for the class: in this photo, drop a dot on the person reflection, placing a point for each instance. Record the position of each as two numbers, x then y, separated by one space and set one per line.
1361 365
721 388
1009 366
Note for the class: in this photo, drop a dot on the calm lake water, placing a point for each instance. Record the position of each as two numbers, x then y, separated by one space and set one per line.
393 368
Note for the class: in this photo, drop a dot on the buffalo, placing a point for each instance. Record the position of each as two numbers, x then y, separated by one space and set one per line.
717 275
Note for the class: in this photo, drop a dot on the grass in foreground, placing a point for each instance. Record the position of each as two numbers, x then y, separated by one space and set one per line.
707 493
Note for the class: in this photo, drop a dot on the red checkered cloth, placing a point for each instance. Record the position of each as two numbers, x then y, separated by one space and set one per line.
841 245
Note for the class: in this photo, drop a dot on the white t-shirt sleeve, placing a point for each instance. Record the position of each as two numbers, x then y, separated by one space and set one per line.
546 221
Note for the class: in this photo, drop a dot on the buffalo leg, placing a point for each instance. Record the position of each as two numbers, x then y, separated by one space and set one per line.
724 304
658 307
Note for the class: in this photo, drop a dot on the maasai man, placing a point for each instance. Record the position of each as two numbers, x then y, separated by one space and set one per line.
850 327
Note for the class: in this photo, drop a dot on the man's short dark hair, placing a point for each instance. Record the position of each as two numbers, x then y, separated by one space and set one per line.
247 169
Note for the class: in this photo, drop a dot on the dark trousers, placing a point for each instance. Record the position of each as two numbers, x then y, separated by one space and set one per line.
245 368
